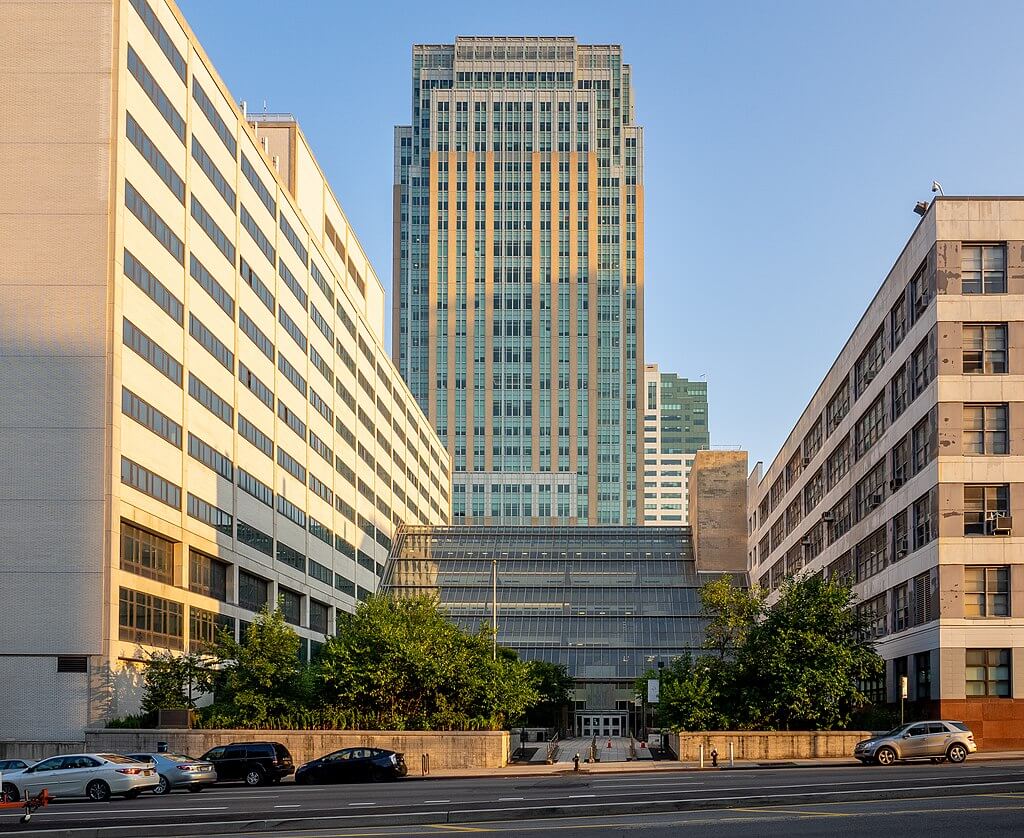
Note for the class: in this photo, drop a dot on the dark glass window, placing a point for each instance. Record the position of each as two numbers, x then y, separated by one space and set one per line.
146 554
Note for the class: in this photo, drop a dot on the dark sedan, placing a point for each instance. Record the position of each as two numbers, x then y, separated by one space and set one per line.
353 765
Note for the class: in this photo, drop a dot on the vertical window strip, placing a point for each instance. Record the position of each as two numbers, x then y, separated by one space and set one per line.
210 112
209 226
258 187
210 169
294 241
256 284
255 334
163 40
155 93
210 343
293 284
257 235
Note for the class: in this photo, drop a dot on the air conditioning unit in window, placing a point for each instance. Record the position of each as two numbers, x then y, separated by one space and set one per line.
875 500
897 479
901 547
1000 525
806 461
828 517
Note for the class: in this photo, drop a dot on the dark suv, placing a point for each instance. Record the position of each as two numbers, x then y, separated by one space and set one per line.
254 762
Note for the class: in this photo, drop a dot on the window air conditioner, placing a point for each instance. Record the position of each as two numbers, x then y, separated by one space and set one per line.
875 500
828 517
901 547
806 461
1001 525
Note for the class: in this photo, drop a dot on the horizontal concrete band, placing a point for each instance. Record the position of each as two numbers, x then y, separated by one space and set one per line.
766 744
445 749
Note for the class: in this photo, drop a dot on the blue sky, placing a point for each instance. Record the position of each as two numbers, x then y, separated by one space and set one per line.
785 146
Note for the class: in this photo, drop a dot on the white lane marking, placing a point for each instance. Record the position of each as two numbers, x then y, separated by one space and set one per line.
322 818
575 796
501 799
287 806
362 804
437 801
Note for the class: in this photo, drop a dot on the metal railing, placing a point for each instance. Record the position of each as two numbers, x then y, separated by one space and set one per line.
552 755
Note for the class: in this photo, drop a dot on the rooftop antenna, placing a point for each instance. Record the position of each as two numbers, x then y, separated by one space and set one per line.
937 187
264 107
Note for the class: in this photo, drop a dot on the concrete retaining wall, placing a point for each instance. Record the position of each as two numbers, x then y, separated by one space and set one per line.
446 749
17 749
760 745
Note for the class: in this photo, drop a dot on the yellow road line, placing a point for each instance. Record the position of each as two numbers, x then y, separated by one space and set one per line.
454 828
772 810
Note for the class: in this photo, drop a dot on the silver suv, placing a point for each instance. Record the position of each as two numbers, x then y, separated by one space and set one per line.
937 741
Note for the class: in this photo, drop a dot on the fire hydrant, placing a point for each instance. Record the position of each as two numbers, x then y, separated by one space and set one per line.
714 758
576 763
609 743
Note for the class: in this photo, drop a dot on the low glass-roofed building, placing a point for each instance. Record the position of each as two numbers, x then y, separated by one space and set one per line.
606 602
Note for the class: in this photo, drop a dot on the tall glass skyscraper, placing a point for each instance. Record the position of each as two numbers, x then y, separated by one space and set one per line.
518 274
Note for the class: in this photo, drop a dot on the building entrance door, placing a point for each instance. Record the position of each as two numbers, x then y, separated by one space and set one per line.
610 723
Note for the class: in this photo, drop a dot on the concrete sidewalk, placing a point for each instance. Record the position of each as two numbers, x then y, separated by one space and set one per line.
662 766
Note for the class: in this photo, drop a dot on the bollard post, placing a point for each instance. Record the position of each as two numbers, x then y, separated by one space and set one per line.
702 755
576 763
731 762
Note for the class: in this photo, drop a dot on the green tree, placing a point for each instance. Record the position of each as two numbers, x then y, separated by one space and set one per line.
693 694
553 685
175 681
259 677
800 667
401 664
733 612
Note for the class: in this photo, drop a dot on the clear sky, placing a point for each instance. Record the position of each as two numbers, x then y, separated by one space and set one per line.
785 146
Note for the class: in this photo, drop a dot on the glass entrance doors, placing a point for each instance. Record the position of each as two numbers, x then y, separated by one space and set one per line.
601 724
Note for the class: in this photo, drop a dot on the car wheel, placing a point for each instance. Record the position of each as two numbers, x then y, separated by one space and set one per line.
195 789
885 756
131 794
97 791
254 777
956 753
11 793
163 787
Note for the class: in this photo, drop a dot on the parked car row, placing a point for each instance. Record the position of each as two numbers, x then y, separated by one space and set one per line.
102 776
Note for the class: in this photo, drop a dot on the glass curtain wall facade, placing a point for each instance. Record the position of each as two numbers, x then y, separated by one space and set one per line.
605 602
518 274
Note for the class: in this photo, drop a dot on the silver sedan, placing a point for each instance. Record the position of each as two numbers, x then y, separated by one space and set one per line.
179 771
96 776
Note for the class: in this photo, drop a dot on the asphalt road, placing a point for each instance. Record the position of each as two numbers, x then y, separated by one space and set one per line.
980 798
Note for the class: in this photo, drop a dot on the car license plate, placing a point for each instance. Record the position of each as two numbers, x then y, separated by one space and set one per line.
147 773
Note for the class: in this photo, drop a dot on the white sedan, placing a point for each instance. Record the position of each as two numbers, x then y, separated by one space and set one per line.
96 776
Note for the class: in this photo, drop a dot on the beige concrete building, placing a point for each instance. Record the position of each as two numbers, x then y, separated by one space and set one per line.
718 491
905 473
198 415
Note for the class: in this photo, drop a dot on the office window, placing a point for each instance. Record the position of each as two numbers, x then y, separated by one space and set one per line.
142 345
321 324
924 441
318 530
294 240
248 431
924 513
985 429
155 93
291 465
871 490
870 427
210 514
210 400
838 463
253 592
898 322
987 591
255 334
345 586
211 171
257 235
207 575
210 285
158 32
258 540
837 408
148 416
250 381
922 290
258 489
322 366
813 491
153 288
208 340
138 207
262 191
320 488
226 134
210 227
291 557
923 675
869 363
898 394
138 477
146 554
321 281
812 442
983 269
984 506
157 162
210 457
988 672
901 607
318 616
922 365
869 555
151 620
256 284
291 327
984 348
205 626
841 516
291 419
874 614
